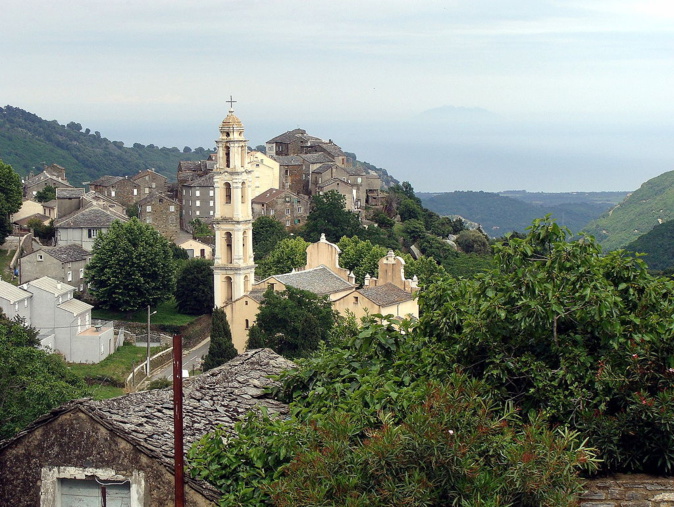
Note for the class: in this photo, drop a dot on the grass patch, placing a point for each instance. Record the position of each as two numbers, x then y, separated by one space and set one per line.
5 259
167 313
114 369
103 392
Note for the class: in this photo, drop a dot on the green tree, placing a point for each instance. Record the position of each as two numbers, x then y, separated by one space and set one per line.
360 257
473 241
288 254
329 216
559 327
410 210
11 194
294 322
40 230
194 287
267 232
200 229
221 348
131 267
32 381
48 193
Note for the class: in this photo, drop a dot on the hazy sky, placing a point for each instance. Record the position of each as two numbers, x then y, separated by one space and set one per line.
530 94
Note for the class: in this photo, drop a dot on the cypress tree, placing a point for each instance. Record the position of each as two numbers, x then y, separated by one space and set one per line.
221 348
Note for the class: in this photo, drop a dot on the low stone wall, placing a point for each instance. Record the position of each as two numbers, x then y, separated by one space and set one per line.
624 490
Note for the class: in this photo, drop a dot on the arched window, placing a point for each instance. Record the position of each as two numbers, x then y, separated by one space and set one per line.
247 324
228 288
228 193
243 192
228 248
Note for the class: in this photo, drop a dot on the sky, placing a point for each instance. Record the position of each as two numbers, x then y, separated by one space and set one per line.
449 95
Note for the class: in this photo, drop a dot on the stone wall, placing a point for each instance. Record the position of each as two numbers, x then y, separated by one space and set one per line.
629 491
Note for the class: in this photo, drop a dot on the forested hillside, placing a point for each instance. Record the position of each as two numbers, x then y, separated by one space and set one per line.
657 245
651 204
27 143
499 215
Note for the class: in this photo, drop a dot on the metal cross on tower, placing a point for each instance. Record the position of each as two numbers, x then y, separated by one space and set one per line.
231 102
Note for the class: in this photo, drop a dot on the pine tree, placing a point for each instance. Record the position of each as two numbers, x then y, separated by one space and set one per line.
221 349
255 338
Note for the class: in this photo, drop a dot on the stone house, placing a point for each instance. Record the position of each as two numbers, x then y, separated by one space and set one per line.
126 443
28 209
197 199
162 213
62 263
84 225
283 205
121 189
64 323
292 142
53 175
68 200
149 181
293 177
342 186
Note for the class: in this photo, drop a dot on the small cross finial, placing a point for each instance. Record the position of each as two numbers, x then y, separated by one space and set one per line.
231 102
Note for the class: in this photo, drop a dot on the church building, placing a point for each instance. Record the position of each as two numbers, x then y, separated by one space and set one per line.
235 288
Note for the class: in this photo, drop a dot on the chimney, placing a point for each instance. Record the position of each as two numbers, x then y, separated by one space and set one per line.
58 285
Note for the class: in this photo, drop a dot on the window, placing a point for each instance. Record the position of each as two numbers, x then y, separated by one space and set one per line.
355 300
154 185
81 272
70 276
92 233
183 191
299 209
81 287
172 208
288 223
197 203
40 257
148 220
197 193
247 324
197 213
210 192
210 203
147 190
112 192
287 211
211 213
271 212
149 208
135 191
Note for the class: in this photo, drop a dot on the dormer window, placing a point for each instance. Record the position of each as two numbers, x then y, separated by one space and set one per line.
40 257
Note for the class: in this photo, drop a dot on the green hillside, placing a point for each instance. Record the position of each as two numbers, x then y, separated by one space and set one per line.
499 215
27 143
658 245
642 210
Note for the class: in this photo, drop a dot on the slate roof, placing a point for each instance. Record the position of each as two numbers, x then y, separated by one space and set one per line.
204 181
386 295
318 280
268 196
153 196
288 159
92 216
39 216
317 158
69 193
288 137
12 293
67 253
75 306
147 172
324 168
256 295
333 149
106 181
196 165
331 181
43 176
94 197
220 396
50 285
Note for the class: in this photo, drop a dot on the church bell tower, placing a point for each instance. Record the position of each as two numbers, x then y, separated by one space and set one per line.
233 268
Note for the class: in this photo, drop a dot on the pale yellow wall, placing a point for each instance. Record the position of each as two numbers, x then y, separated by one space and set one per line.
326 254
195 245
266 172
28 208
244 308
364 307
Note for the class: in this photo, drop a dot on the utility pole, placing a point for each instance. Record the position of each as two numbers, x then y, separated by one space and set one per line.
147 367
178 464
